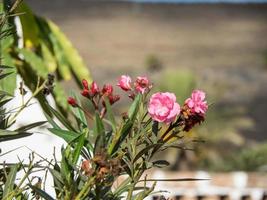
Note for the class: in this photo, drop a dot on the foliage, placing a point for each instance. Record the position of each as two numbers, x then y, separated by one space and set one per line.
248 159
37 47
8 173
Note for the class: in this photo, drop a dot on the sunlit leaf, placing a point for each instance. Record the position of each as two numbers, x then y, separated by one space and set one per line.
10 181
74 59
48 58
34 61
78 148
66 135
29 26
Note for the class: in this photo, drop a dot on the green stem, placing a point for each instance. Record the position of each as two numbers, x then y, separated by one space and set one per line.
85 189
130 193
37 90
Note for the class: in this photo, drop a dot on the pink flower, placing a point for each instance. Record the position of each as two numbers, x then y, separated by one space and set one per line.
163 107
142 84
125 82
197 102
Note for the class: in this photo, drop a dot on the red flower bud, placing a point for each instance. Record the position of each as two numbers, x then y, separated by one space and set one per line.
107 90
113 99
85 84
85 93
72 102
94 89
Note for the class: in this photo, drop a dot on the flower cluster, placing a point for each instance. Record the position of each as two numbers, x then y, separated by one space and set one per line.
141 85
96 96
164 108
194 109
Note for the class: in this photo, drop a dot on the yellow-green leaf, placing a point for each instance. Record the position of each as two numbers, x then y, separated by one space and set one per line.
8 84
35 62
48 58
74 59
29 26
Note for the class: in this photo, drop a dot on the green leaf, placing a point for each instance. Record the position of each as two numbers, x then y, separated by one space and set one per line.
35 62
123 186
161 163
155 128
57 178
5 44
79 113
126 128
6 135
110 115
29 26
134 107
8 84
60 96
63 66
9 185
66 135
51 121
40 192
71 54
30 126
78 148
5 67
144 151
66 169
128 166
2 76
99 132
2 103
61 118
48 58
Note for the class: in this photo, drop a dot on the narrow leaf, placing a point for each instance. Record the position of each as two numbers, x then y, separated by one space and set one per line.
110 115
61 118
78 148
9 185
161 163
42 193
66 135
6 135
31 126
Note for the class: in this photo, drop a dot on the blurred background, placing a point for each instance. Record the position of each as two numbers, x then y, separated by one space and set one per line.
217 46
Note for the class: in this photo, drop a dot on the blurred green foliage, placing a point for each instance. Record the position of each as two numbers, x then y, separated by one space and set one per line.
36 48
180 82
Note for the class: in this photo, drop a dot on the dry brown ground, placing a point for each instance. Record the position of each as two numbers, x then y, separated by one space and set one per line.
222 44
